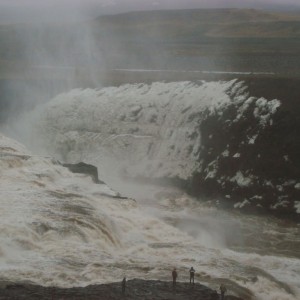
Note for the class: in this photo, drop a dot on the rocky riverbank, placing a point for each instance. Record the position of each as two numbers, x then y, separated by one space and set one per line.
136 289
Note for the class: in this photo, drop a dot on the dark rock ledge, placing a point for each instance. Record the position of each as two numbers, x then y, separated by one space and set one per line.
84 168
136 289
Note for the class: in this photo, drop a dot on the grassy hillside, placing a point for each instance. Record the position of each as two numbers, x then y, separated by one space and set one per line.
184 24
239 40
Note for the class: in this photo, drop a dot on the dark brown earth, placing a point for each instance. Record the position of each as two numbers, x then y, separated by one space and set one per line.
136 289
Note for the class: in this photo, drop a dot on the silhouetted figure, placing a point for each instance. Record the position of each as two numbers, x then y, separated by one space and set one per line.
174 276
123 285
223 291
192 275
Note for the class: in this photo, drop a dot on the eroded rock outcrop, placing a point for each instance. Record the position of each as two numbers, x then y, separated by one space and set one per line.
84 168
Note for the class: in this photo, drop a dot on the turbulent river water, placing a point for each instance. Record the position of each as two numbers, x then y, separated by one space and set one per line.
59 228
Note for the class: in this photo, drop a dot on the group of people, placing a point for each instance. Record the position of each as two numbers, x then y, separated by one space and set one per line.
192 275
223 289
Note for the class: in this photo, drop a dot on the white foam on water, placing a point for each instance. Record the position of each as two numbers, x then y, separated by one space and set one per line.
59 228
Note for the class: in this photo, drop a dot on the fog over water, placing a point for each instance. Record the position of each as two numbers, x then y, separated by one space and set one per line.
59 228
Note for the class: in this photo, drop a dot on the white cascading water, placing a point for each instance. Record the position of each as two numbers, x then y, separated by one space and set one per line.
71 231
150 130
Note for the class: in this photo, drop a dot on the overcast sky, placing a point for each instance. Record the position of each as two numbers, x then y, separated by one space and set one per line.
64 10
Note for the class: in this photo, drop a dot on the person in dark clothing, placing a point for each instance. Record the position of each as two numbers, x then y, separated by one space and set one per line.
223 291
174 276
192 275
123 285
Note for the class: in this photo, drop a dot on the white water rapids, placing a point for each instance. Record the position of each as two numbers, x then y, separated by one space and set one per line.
59 228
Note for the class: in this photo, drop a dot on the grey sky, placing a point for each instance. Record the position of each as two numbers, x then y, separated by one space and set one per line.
64 10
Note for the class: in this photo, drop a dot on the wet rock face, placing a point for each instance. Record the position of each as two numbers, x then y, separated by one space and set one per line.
135 290
250 157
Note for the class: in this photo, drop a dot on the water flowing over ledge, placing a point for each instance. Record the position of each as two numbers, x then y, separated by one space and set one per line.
213 138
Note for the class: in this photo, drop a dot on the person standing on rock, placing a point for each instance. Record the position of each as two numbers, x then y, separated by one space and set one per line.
223 291
123 285
174 276
192 275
